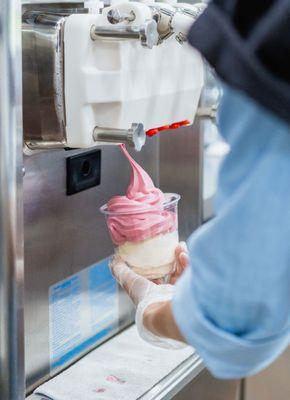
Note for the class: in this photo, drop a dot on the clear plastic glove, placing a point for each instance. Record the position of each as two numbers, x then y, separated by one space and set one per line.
181 262
145 293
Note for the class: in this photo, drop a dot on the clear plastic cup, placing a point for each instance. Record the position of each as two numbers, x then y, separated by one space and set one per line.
146 240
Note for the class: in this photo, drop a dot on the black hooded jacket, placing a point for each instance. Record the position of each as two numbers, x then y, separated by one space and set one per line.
248 44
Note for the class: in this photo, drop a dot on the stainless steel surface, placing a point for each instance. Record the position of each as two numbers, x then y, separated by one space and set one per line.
44 117
11 215
43 87
272 383
206 387
181 167
176 380
64 234
53 2
146 33
134 137
43 145
208 208
215 148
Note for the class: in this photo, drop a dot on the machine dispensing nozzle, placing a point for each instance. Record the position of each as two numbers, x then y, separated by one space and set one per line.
134 137
146 33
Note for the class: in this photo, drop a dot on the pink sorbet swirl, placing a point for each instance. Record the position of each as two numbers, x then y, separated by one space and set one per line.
143 204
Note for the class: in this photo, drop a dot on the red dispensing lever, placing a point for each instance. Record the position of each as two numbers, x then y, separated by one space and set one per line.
175 125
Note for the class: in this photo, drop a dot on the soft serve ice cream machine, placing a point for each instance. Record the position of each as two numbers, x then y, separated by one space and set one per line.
108 76
93 77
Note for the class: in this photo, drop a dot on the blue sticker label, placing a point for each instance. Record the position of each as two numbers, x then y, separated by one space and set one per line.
82 309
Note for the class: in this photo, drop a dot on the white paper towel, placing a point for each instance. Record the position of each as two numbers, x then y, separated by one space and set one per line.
124 368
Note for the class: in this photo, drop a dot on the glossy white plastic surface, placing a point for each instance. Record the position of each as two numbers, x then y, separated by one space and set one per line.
114 83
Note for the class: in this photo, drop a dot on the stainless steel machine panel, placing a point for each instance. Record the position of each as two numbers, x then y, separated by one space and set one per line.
43 65
181 160
43 91
272 383
206 387
11 211
64 234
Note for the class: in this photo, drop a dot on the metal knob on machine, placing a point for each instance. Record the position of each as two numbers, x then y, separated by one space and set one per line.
134 137
147 33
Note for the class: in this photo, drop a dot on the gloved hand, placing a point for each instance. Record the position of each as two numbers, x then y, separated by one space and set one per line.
145 293
181 262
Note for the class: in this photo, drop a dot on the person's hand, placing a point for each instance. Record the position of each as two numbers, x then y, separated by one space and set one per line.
144 293
181 262
138 287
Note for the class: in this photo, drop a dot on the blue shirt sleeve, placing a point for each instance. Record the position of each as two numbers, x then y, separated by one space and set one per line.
233 302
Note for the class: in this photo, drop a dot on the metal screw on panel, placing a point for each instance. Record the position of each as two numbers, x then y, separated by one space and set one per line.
114 16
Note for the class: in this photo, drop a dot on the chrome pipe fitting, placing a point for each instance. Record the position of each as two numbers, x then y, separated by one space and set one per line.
146 33
134 137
